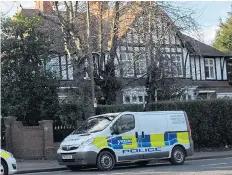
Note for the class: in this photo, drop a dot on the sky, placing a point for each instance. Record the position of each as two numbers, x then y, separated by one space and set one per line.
208 14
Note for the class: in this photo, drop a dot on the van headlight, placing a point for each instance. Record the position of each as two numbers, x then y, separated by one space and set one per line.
86 143
8 154
11 155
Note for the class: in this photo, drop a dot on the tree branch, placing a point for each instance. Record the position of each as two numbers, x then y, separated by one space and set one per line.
75 10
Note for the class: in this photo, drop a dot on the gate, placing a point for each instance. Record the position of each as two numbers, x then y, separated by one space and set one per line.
60 131
3 134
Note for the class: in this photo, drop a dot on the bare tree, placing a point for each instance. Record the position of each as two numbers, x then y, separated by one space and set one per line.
121 26
74 20
156 30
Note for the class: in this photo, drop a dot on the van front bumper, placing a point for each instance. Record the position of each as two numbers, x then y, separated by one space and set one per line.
12 166
78 158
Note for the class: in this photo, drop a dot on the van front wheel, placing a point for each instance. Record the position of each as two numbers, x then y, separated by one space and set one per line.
178 156
3 168
105 161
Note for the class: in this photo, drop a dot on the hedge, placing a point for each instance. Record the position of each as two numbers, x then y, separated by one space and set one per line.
210 120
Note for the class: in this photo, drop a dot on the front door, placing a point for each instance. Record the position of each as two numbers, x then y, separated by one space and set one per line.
125 143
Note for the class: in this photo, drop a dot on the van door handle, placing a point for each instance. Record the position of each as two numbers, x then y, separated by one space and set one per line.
136 134
143 136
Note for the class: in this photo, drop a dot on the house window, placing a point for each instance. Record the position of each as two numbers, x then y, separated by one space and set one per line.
140 99
140 65
230 72
134 95
123 48
136 49
209 68
136 38
134 98
127 99
165 66
123 56
177 65
62 98
129 37
61 66
130 49
127 64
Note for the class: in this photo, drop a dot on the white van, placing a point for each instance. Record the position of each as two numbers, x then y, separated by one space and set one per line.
139 137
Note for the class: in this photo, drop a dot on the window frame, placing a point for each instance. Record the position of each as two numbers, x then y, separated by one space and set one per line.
134 92
125 98
141 65
229 71
128 61
142 101
57 64
177 63
207 64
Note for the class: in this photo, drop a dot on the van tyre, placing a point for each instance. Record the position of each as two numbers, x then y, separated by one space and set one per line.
4 168
105 161
178 156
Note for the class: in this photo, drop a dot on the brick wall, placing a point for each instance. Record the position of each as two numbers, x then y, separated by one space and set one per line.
30 142
27 142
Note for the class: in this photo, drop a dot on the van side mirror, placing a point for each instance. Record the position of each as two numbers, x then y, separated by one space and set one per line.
114 130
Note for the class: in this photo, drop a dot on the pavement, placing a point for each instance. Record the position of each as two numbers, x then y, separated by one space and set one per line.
37 166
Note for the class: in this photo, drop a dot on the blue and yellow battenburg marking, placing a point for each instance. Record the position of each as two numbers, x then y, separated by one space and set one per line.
4 155
152 140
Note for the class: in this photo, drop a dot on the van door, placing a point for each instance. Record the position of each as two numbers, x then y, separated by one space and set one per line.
152 130
125 142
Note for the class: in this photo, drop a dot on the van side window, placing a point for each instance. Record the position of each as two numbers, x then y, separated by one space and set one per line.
125 123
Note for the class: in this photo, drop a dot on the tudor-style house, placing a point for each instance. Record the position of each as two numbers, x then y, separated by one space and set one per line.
202 70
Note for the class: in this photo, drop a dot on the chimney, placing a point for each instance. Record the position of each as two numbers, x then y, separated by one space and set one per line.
44 6
95 7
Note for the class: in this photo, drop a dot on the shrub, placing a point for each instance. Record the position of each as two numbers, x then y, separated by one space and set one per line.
118 108
71 114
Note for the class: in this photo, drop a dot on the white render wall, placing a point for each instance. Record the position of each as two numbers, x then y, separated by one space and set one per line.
137 91
224 95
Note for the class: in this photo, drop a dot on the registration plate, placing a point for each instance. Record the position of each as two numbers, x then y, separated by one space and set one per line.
67 157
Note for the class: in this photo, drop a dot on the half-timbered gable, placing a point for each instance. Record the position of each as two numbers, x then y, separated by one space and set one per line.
207 63
133 48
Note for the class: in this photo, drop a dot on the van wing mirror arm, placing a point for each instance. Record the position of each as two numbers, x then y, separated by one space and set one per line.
112 130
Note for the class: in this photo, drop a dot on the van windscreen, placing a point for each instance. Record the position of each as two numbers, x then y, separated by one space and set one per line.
95 124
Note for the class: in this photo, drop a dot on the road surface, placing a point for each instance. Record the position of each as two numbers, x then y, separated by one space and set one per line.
221 166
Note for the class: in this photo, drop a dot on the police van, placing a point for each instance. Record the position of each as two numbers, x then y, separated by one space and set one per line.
136 137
